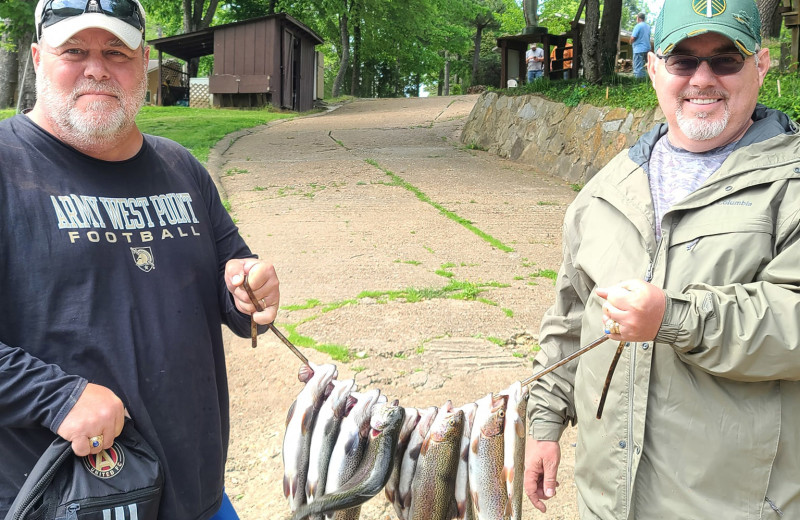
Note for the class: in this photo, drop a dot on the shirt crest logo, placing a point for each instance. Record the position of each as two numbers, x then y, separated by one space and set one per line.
143 258
106 464
709 8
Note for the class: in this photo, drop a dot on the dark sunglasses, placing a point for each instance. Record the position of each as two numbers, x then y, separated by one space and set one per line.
57 10
723 64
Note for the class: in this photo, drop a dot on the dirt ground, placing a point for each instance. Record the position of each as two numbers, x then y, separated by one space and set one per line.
379 195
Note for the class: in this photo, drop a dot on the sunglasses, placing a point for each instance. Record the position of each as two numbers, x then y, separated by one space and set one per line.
57 10
723 64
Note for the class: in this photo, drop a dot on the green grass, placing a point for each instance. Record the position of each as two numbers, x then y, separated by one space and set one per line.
336 352
5 114
199 129
399 181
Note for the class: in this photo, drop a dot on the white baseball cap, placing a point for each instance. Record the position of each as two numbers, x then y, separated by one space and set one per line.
59 20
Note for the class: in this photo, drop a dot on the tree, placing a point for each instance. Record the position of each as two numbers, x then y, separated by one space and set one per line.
609 35
770 18
484 18
16 71
590 43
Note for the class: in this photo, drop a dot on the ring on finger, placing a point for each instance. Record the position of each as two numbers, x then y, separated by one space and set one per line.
96 441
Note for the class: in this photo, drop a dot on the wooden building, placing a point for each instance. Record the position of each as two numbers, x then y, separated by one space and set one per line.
271 59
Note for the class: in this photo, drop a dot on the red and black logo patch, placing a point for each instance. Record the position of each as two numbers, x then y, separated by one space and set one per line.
106 464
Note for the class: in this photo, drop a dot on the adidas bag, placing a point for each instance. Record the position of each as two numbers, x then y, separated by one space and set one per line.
121 483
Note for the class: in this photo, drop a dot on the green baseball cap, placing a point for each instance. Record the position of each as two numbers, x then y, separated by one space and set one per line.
738 20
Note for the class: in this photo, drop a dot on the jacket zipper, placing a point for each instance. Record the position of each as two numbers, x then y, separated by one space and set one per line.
648 277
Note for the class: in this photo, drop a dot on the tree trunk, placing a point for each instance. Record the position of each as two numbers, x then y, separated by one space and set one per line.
355 77
26 87
530 10
590 43
476 57
768 9
609 35
344 62
446 73
8 73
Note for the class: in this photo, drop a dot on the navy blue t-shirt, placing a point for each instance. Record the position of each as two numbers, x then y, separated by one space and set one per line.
112 273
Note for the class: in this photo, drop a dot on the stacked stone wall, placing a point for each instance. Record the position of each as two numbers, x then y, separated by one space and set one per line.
569 142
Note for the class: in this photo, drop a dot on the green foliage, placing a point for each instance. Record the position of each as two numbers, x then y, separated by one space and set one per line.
5 114
198 129
789 99
16 18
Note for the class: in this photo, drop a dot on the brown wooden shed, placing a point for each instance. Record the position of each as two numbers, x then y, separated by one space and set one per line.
271 59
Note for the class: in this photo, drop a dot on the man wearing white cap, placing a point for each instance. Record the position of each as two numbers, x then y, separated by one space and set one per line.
684 251
118 266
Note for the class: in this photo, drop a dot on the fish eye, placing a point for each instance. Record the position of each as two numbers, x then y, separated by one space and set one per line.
501 413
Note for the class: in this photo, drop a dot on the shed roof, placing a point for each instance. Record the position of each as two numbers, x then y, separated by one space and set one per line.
201 43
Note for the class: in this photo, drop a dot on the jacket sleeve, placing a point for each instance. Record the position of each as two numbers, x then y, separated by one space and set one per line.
34 393
551 401
743 331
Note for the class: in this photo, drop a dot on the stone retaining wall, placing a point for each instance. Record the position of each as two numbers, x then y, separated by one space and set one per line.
569 142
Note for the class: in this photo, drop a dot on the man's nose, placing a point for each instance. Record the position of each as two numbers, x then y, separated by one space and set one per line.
703 76
96 68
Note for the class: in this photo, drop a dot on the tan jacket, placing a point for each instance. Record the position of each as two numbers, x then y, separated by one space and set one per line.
703 423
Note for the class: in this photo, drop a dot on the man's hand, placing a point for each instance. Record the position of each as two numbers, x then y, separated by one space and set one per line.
98 412
541 468
262 280
637 306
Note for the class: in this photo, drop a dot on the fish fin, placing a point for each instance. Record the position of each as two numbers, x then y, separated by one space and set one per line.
475 503
311 489
508 512
474 445
414 453
508 473
520 425
286 490
465 453
308 422
423 449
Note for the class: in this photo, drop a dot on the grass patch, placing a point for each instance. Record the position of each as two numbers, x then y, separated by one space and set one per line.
309 304
399 181
497 341
199 129
545 273
5 114
409 262
336 352
358 369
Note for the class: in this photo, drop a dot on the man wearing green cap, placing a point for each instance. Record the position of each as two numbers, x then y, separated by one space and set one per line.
684 251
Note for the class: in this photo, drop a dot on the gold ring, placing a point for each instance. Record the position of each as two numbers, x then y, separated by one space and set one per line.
263 302
615 328
96 441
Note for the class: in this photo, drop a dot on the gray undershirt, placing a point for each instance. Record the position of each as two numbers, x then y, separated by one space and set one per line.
675 173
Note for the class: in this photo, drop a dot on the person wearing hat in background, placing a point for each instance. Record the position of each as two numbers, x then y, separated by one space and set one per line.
685 249
119 264
534 59
640 41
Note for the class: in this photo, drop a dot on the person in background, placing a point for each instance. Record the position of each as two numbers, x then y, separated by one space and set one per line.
119 265
684 251
534 59
567 57
640 41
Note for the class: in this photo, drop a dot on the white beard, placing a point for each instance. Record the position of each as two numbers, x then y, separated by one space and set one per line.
98 123
699 128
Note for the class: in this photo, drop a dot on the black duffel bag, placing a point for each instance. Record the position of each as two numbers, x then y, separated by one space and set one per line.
123 482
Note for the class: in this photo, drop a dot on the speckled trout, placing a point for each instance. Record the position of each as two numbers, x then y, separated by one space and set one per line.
350 447
391 490
434 477
409 463
299 426
374 469
464 510
486 482
514 445
323 438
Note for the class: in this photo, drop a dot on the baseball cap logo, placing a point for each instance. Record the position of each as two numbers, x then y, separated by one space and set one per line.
709 8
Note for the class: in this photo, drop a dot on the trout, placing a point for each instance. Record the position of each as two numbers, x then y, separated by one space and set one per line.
486 482
391 489
409 462
350 446
514 448
323 438
374 469
461 491
299 425
434 478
